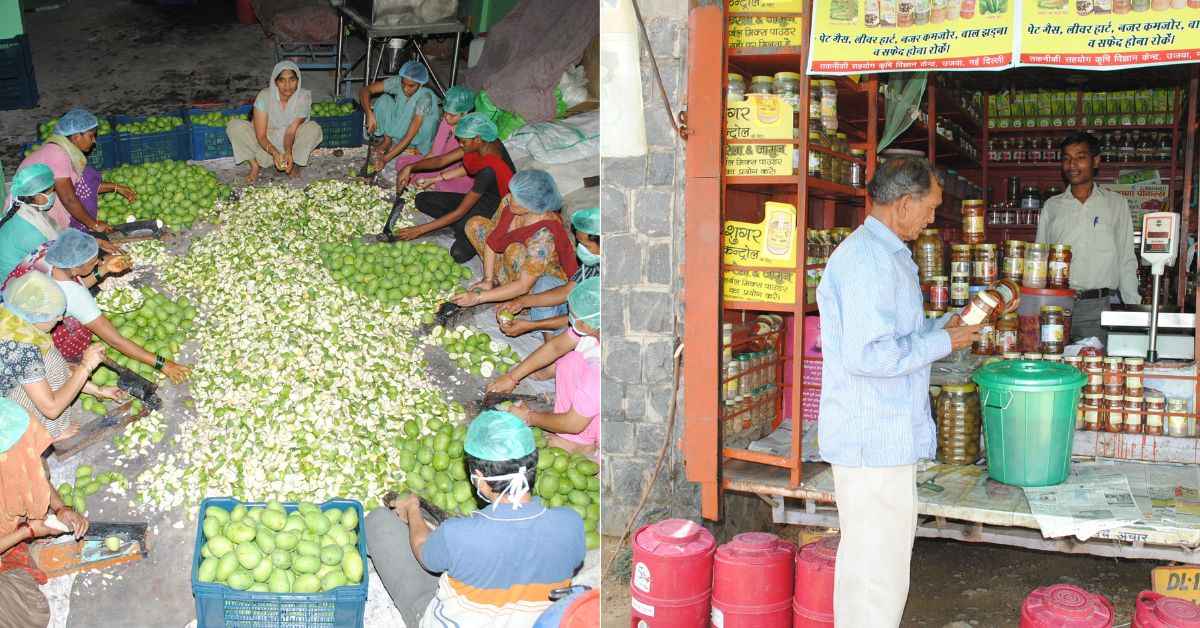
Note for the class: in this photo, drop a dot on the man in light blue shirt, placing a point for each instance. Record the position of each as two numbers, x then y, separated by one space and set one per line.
874 422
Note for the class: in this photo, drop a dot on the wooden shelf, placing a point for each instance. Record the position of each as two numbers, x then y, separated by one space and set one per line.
759 181
822 188
948 106
1004 166
816 148
1082 127
779 308
764 61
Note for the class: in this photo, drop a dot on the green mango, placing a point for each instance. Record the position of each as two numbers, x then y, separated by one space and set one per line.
279 582
352 567
248 555
240 579
306 583
331 555
208 570
226 565
306 564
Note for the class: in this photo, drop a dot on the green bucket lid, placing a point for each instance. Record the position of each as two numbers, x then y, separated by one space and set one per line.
1029 375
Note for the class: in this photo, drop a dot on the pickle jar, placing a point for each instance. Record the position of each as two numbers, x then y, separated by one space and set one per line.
986 266
1156 410
1058 267
958 420
1177 419
1093 368
1007 333
1052 329
762 85
930 255
1036 257
939 293
1014 260
974 214
983 306
1092 405
815 164
1114 413
787 87
737 88
986 345
1010 295
1134 411
1114 375
960 260
1134 367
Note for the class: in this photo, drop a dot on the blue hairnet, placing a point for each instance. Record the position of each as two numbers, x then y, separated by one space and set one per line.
14 420
72 248
415 71
35 298
459 100
587 220
498 436
535 190
476 125
76 121
32 179
584 302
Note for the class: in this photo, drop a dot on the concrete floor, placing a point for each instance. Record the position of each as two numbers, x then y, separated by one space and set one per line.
84 57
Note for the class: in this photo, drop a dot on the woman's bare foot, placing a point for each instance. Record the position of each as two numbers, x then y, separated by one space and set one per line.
71 430
293 171
254 169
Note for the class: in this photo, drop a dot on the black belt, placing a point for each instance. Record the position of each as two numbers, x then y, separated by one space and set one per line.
1099 293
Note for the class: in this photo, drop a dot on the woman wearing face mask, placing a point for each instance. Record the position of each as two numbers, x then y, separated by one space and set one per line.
525 244
548 308
281 134
26 223
453 179
404 116
576 359
32 372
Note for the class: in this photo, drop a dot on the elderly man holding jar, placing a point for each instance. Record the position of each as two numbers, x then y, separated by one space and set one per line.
875 422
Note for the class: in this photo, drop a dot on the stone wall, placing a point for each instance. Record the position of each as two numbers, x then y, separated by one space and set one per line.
642 205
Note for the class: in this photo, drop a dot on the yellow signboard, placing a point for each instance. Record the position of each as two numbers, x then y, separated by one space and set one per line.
766 6
759 117
759 160
765 32
760 286
853 36
1095 34
1180 582
770 243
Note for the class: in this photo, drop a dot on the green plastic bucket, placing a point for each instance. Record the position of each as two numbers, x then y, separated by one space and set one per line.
1028 419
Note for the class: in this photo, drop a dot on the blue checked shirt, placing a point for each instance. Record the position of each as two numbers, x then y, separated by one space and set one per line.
877 348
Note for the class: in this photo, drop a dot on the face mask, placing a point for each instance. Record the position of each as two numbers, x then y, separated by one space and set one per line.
518 487
589 348
50 198
587 257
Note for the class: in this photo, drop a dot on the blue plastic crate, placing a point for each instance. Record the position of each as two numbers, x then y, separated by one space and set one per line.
342 131
213 142
173 145
219 606
18 85
103 156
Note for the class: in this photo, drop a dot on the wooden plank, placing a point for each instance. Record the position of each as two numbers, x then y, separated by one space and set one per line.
98 430
748 477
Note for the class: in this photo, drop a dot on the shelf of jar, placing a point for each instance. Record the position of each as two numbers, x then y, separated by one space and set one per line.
823 188
947 152
1082 126
817 148
948 105
1104 166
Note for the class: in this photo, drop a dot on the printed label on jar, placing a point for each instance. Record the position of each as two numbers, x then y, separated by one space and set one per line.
1013 267
973 224
1035 273
960 269
1091 416
1052 333
1006 341
986 270
1059 273
960 291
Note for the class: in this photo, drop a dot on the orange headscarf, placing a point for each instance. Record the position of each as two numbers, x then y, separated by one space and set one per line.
24 487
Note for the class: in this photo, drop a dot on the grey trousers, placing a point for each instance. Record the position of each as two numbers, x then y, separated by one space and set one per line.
1085 318
22 605
410 586
245 144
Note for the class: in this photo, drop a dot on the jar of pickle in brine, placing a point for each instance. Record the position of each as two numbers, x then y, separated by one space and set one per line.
1007 333
1014 260
974 214
1052 329
1114 413
958 419
960 291
1134 367
1092 412
986 345
1036 257
1134 410
814 158
1177 419
1058 267
986 266
930 255
960 260
1156 410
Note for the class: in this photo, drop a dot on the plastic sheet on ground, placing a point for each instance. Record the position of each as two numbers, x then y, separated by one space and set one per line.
559 142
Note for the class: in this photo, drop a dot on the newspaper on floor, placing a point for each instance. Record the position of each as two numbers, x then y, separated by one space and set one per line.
1083 506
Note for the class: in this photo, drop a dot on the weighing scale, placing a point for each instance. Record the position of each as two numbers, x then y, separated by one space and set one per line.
1136 331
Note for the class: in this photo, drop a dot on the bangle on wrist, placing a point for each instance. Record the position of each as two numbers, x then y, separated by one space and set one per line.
96 272
159 362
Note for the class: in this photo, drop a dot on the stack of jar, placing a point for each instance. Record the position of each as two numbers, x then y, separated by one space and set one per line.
820 245
1114 399
749 379
823 165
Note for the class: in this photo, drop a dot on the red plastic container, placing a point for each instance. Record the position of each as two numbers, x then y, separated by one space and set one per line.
672 575
245 12
1155 610
812 605
753 580
1065 606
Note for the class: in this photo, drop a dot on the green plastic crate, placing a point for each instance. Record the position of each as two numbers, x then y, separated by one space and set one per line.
11 24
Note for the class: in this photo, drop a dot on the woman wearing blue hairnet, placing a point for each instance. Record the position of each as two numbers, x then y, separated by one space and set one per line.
65 153
281 133
481 156
404 116
454 179
526 247
32 371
